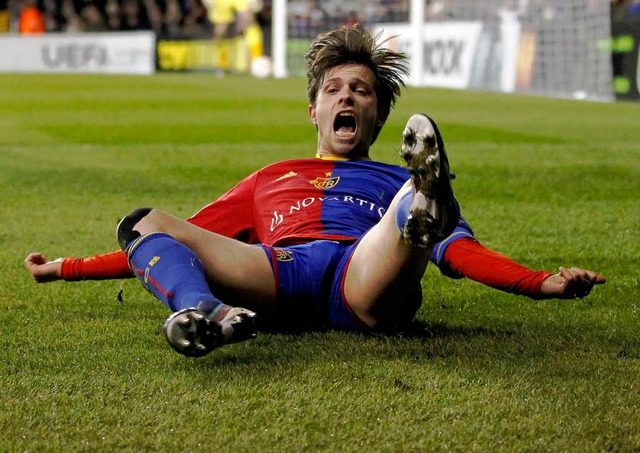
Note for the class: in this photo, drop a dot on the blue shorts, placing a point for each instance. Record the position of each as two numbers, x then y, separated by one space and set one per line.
310 284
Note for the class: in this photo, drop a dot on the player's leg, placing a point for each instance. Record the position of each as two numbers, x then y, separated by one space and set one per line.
222 17
180 263
386 268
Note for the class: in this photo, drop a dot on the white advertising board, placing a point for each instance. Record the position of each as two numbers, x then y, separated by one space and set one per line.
99 53
448 50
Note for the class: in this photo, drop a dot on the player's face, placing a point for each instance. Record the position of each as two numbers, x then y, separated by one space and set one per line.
346 112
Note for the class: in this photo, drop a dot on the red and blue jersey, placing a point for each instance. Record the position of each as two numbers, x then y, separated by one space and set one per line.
301 200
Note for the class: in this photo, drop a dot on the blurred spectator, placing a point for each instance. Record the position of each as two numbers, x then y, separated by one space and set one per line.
53 20
31 20
633 10
298 24
112 11
5 16
236 32
252 31
172 19
352 19
616 9
92 19
396 11
435 10
317 18
72 22
154 15
194 22
133 16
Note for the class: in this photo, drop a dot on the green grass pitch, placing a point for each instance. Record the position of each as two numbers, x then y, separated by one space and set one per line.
548 182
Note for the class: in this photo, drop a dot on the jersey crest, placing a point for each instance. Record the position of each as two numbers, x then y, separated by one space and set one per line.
328 182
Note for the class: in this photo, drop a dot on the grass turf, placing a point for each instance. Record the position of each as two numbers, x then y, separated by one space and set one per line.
548 182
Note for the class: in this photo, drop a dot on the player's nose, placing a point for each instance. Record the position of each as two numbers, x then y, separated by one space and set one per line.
346 96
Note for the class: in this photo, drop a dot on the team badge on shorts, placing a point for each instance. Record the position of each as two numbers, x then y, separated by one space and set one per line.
284 255
327 182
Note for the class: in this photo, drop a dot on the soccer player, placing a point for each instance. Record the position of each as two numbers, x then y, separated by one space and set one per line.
337 240
247 35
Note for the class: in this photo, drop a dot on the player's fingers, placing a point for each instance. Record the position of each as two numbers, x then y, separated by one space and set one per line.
31 257
571 286
600 279
575 274
593 277
579 283
567 275
34 259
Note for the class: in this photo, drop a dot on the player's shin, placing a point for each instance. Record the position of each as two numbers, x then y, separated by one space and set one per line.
172 273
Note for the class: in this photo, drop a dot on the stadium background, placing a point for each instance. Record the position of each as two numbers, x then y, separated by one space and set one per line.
85 366
577 48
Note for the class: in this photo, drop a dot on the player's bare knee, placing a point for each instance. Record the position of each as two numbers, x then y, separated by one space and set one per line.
125 231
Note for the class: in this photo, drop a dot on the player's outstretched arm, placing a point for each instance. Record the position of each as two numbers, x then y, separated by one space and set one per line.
41 269
468 258
112 265
573 283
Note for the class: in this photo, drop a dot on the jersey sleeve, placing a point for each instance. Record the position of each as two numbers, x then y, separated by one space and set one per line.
112 265
231 215
462 230
468 258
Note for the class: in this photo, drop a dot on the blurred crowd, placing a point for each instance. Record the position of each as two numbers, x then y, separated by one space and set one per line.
625 9
189 18
308 17
167 18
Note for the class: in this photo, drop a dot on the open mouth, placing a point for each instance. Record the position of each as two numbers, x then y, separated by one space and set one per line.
345 124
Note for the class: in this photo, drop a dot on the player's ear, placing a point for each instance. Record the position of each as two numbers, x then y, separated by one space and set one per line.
382 118
383 114
312 114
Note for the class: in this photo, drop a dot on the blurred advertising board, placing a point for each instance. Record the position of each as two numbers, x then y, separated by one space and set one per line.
202 55
97 53
463 55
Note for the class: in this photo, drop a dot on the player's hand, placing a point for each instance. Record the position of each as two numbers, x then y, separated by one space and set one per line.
574 283
43 270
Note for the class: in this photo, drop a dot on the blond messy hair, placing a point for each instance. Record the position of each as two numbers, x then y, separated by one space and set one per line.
354 44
